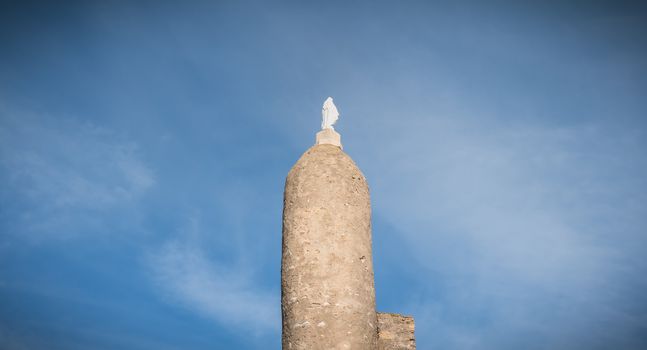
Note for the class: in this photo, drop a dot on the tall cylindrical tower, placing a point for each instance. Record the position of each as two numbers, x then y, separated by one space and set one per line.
327 283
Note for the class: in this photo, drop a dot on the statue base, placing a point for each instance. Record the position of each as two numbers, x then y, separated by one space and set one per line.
328 137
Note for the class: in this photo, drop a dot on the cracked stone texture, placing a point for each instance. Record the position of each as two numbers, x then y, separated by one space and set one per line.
395 332
328 293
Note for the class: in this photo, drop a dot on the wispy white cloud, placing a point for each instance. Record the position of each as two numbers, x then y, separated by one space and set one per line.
526 196
185 275
56 170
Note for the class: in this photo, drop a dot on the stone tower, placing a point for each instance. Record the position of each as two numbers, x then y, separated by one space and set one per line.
327 284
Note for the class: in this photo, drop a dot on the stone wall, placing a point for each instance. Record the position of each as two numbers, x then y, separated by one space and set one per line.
395 332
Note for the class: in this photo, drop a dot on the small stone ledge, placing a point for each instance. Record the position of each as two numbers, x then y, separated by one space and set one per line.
328 137
395 332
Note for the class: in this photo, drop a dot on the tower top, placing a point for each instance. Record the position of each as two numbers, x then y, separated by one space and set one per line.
329 115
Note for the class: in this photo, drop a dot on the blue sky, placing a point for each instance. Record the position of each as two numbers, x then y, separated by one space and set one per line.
144 147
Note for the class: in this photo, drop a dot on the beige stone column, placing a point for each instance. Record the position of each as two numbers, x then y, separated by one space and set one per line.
327 284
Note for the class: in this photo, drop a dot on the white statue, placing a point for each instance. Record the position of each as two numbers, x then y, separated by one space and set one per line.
329 114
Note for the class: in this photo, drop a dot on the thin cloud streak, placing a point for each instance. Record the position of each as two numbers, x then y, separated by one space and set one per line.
226 294
58 169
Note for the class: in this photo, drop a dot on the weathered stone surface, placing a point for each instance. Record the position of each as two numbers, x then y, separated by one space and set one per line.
395 332
328 294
